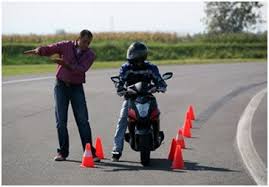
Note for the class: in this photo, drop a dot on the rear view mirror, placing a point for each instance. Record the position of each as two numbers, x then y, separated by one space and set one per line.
115 79
167 75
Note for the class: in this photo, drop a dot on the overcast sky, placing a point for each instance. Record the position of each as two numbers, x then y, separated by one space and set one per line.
47 17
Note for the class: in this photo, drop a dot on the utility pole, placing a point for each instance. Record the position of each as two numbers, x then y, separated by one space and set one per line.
111 23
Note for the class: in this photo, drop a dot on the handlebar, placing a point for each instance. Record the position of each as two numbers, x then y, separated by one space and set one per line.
132 90
129 91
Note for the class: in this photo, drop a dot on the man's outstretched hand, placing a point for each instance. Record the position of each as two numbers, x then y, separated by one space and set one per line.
31 52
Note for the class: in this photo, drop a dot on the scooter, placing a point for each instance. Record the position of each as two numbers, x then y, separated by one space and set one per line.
144 135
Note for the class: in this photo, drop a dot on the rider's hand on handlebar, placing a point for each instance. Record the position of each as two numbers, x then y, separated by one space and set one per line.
161 89
152 90
121 91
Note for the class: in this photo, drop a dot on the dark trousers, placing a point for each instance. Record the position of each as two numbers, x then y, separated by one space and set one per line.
63 94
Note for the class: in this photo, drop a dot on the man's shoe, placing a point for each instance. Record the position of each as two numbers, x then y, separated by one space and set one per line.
59 157
115 156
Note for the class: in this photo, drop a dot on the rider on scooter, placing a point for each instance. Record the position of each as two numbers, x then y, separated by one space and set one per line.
136 69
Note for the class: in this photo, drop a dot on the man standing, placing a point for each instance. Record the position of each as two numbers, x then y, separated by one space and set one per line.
75 60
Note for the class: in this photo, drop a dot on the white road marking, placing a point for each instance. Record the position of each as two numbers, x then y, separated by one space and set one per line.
245 144
27 80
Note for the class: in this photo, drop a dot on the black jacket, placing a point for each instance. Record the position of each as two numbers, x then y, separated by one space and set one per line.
130 74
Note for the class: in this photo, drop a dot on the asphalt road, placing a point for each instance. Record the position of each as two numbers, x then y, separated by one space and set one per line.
219 94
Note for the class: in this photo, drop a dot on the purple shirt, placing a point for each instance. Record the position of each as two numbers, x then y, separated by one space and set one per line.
80 63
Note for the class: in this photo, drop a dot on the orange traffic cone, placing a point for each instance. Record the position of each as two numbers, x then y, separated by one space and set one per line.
180 140
178 162
190 123
188 116
172 149
99 148
187 129
191 111
87 160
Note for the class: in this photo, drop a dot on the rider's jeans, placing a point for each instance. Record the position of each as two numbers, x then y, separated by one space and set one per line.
121 128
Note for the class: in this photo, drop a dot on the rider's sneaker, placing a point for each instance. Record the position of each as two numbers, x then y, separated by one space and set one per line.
161 136
115 156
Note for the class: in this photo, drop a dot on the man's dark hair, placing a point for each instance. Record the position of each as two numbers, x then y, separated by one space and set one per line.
85 33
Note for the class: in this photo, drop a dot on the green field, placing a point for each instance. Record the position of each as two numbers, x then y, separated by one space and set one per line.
164 48
11 70
147 37
12 53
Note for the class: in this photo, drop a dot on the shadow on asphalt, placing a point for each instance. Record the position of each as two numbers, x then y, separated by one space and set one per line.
76 161
195 127
194 137
155 164
194 166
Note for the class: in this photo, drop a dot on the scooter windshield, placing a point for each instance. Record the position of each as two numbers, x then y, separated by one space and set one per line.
142 109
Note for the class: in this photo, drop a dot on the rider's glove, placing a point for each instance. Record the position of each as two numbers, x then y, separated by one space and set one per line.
153 90
120 91
162 89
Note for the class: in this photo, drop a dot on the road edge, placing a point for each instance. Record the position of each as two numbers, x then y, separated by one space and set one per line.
250 157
